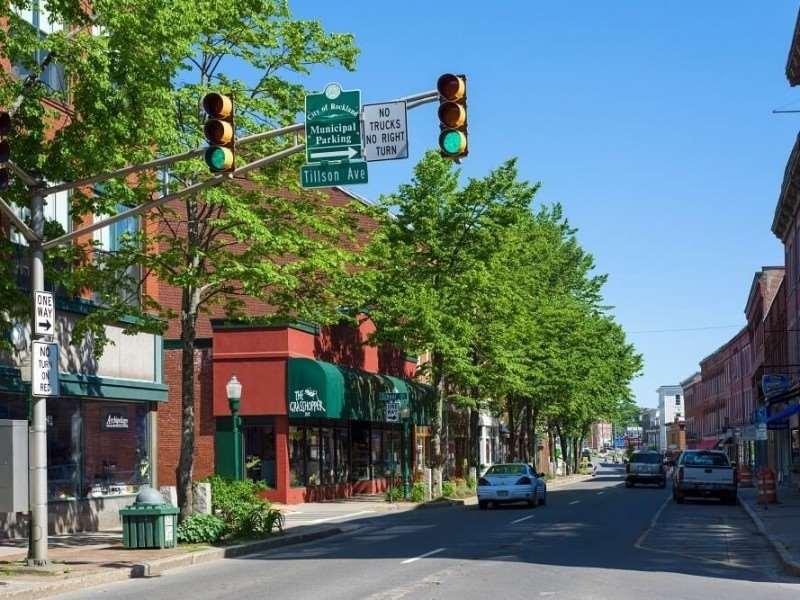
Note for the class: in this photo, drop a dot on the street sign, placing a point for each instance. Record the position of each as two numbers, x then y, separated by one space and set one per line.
761 432
44 369
44 312
333 129
774 384
333 139
393 412
385 131
326 175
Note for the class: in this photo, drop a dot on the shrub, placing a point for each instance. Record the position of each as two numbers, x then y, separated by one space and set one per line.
245 513
200 529
418 492
394 493
472 484
448 489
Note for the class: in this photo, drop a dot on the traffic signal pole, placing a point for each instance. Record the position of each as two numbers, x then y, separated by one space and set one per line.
37 452
34 234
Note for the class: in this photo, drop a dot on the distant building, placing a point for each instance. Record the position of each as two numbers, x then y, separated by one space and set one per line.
650 428
601 435
670 405
693 405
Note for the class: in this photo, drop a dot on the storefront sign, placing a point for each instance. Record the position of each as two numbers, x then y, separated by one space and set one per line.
305 403
114 420
775 384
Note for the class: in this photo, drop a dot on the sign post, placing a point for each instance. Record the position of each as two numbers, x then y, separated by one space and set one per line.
333 139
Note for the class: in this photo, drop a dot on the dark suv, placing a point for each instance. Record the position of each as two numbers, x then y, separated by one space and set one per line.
645 466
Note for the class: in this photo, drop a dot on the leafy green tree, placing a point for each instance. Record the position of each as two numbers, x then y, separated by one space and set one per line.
431 261
136 70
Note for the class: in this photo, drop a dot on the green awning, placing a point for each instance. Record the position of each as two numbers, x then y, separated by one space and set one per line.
319 389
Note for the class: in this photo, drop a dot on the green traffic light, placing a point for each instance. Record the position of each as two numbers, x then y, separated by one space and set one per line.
452 142
218 158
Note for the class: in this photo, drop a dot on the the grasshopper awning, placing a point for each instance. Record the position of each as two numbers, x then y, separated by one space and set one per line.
321 390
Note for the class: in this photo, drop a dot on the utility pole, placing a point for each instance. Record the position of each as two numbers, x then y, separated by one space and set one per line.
37 544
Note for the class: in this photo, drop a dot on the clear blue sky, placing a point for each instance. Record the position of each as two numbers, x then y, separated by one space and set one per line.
649 121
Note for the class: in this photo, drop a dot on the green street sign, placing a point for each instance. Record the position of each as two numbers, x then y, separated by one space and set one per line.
329 174
333 125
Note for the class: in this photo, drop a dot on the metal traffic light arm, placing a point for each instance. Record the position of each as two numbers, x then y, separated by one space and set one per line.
413 101
21 225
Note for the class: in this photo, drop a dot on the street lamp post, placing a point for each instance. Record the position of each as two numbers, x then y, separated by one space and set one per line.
405 456
234 391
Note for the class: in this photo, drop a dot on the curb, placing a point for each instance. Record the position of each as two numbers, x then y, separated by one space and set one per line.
154 568
790 565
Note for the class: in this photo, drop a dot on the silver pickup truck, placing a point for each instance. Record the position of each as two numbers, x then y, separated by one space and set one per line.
704 473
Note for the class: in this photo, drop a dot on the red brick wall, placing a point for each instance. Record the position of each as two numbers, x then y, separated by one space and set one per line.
169 418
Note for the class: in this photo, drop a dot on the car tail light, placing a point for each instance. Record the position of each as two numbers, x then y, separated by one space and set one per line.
483 481
524 480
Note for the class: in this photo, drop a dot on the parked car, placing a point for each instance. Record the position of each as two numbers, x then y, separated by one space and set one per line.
704 473
511 482
645 466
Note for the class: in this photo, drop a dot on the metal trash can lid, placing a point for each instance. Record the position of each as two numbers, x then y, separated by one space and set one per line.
148 495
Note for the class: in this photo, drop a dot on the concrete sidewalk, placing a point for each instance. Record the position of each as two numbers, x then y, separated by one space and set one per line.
779 523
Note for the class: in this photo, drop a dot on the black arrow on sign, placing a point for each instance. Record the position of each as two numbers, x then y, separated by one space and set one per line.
45 325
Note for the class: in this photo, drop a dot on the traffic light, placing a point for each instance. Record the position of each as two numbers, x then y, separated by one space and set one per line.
453 115
220 132
5 150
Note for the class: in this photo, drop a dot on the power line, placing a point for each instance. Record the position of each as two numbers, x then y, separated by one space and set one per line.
685 329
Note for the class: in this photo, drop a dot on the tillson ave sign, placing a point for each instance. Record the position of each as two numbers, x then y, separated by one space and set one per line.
333 139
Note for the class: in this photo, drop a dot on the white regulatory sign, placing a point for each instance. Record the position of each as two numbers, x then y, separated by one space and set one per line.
44 369
44 313
384 131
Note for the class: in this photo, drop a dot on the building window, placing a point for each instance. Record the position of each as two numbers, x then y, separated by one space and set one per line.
63 449
342 455
297 473
376 454
116 458
312 456
259 453
391 452
360 448
327 456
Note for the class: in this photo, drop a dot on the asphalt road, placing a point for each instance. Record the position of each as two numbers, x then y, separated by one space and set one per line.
594 540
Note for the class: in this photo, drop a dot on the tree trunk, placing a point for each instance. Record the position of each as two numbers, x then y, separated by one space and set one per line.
475 440
185 467
438 421
564 451
576 455
534 438
512 432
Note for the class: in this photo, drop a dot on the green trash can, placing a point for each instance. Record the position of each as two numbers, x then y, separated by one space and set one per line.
149 522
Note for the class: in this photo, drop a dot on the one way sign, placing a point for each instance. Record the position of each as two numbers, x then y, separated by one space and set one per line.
44 313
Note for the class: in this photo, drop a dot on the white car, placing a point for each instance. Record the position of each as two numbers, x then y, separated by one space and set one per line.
511 482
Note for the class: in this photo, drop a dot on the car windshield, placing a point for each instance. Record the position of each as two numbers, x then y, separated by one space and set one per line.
650 459
506 470
705 459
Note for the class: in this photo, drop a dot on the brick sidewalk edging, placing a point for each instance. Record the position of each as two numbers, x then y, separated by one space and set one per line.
790 565
154 568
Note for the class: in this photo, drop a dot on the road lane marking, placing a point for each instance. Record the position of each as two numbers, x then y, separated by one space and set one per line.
522 519
575 502
653 522
427 554
333 518
598 493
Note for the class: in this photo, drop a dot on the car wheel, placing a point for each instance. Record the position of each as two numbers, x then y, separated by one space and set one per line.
628 483
483 504
730 499
543 499
678 497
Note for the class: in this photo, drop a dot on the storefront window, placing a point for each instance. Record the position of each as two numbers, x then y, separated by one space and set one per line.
377 459
391 451
360 450
259 453
342 443
326 455
312 456
297 475
115 457
63 449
